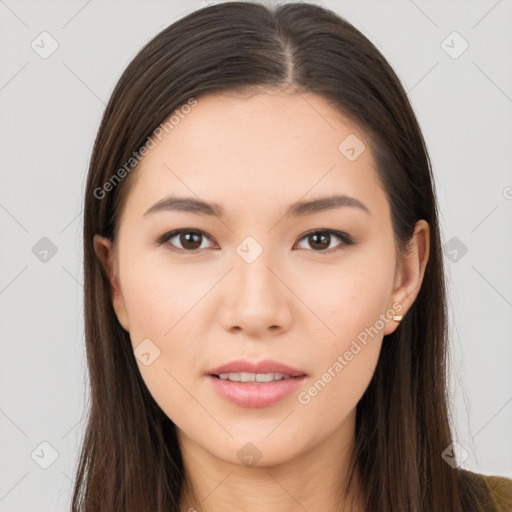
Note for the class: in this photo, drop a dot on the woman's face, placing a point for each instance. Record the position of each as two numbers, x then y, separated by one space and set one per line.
255 283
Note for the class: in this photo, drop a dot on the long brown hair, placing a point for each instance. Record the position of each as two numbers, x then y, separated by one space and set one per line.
130 458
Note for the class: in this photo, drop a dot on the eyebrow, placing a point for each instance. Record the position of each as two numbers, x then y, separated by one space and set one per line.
297 209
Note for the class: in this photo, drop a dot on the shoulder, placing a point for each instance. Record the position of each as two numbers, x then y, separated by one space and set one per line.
495 492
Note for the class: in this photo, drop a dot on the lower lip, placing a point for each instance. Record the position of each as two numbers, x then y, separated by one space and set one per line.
254 394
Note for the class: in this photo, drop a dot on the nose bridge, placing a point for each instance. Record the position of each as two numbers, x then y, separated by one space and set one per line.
256 298
255 282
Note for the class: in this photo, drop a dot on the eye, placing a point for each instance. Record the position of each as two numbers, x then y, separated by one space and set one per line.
321 240
190 240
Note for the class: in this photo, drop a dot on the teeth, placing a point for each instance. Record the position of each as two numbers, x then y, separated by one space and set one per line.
253 377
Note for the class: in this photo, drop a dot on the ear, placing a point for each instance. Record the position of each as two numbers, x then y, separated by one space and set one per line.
410 273
108 260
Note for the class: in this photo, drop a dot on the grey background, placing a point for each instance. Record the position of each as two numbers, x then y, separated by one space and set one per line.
51 110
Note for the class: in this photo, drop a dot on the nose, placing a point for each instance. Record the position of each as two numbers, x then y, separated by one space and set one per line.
257 299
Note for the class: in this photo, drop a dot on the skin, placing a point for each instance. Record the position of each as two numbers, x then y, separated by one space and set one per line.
255 155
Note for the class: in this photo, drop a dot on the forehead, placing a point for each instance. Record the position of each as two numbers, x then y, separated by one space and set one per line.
251 150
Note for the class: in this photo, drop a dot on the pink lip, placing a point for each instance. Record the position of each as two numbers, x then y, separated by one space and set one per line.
267 366
255 394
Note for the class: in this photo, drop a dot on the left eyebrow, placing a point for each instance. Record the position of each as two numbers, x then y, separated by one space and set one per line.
297 209
301 208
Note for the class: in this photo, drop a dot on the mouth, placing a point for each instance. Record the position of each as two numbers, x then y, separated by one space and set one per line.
249 377
252 371
250 384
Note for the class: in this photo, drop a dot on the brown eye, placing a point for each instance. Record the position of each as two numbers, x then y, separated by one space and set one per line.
185 240
190 240
321 240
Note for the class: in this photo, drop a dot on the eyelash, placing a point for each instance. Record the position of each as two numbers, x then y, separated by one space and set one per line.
346 239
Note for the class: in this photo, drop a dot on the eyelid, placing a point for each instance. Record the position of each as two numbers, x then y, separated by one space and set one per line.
345 238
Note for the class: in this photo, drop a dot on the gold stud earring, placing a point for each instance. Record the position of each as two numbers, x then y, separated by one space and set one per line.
398 318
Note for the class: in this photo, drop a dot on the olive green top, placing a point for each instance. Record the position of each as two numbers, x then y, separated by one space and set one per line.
495 491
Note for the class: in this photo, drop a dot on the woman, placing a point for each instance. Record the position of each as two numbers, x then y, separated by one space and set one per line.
264 292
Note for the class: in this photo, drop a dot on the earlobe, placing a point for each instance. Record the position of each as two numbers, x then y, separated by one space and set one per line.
103 250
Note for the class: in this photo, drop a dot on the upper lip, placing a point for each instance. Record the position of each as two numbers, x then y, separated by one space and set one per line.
267 366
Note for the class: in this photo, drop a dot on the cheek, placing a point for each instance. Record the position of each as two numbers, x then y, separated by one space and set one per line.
161 299
162 305
344 363
163 320
347 301
353 308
